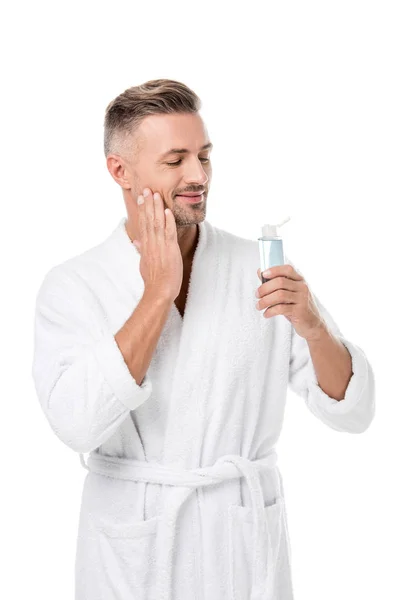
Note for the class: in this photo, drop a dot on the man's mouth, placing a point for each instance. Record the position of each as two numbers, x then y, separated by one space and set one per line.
192 197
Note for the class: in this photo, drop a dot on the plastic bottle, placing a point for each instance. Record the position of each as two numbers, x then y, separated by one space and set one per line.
271 247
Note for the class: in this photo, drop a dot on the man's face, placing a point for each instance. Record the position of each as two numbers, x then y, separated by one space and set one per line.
171 173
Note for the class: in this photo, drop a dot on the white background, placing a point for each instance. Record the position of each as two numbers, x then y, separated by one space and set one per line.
301 100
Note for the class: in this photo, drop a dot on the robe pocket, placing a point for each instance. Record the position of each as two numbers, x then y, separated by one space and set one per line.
128 555
240 523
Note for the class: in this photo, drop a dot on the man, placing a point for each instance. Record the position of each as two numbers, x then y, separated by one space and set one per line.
152 355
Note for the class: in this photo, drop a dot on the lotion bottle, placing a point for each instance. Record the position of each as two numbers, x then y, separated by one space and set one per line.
271 247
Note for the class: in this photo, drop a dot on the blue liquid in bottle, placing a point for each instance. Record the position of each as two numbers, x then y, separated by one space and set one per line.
271 248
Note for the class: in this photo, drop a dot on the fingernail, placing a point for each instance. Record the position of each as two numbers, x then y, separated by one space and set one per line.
157 195
267 273
140 200
146 192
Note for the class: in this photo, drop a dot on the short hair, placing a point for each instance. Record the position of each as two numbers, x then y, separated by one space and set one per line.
125 113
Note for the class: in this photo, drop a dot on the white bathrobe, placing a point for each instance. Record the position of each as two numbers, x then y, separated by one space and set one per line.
183 497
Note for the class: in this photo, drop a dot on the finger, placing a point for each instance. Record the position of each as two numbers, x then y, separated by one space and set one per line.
283 270
149 211
276 284
142 219
159 215
278 297
171 233
262 278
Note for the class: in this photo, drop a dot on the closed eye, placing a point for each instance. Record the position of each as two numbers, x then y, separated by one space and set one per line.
178 162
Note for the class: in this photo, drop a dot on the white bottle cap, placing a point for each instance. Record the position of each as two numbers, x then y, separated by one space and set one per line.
270 230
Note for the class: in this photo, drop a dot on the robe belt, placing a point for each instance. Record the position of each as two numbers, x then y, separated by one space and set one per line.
230 466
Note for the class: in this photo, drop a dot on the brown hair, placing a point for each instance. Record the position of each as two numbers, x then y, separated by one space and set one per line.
125 113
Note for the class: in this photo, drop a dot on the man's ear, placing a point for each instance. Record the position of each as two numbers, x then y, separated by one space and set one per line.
118 170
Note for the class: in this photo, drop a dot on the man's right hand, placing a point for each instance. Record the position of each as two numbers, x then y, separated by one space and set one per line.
161 265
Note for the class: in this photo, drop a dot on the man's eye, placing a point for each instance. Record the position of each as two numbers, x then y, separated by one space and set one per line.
178 162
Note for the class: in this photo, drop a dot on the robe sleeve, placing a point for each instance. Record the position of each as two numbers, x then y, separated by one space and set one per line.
355 412
82 382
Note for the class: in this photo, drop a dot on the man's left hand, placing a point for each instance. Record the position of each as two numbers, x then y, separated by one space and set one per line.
287 293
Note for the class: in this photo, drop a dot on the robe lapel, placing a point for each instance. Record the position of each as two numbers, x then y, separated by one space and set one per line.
198 333
185 423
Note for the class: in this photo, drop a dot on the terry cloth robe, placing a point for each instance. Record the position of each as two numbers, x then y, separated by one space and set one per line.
183 497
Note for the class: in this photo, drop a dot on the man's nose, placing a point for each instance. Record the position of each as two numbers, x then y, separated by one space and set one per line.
195 172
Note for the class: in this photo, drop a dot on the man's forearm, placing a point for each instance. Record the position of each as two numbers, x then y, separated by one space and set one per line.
138 337
332 363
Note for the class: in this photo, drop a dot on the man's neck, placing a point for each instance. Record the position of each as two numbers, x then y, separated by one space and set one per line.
188 238
187 244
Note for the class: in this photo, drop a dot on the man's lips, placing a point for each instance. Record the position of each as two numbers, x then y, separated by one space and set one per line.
192 198
190 194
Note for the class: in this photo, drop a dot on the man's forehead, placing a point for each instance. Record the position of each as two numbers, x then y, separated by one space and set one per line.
174 133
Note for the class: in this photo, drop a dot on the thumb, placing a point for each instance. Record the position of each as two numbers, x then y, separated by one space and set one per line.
137 245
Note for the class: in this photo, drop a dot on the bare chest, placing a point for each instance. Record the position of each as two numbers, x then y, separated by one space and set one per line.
180 300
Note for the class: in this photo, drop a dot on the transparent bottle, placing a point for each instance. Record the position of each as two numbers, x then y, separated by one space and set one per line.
271 247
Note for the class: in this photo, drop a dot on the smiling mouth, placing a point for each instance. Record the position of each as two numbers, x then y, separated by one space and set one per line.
191 194
192 199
